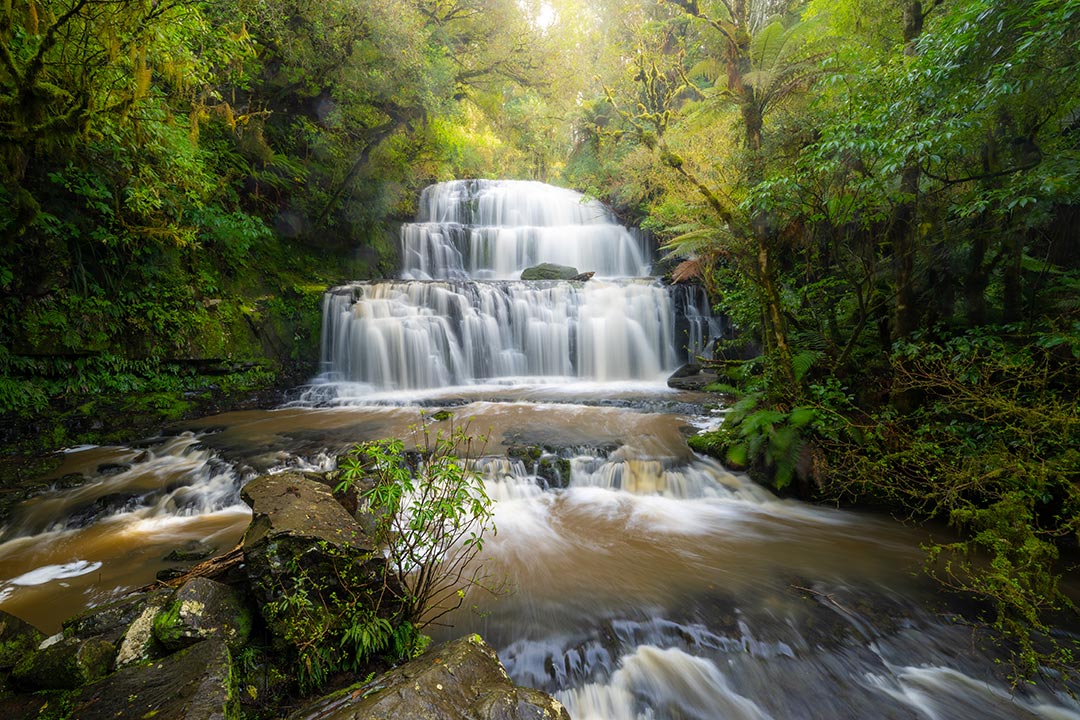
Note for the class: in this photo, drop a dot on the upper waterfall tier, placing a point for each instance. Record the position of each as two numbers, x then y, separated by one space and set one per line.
493 229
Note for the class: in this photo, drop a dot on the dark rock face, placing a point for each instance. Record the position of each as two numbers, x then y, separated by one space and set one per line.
111 620
459 679
549 271
202 609
301 536
193 684
691 377
65 664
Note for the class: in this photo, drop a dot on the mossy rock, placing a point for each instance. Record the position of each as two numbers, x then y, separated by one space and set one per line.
549 271
303 546
191 551
459 679
193 684
202 609
66 664
17 638
112 620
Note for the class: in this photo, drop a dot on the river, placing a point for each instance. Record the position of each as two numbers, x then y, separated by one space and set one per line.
645 582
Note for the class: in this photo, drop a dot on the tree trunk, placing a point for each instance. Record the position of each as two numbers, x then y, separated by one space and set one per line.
903 242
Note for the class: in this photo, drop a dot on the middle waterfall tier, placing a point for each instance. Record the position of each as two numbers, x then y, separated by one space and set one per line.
397 335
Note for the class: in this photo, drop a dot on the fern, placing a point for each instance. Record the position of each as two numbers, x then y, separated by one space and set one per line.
802 362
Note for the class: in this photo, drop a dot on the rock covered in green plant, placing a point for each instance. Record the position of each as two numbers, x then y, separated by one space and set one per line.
459 679
65 663
320 581
200 610
17 637
138 643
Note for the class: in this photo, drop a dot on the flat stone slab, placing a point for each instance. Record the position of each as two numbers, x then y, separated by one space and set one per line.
459 679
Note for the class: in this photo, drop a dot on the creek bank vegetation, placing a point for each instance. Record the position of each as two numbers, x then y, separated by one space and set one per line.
304 616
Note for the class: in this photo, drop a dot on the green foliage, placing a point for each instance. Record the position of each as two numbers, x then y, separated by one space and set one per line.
171 171
432 517
336 622
991 449
778 445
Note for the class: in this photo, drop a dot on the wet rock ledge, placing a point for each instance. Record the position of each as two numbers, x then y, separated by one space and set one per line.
202 648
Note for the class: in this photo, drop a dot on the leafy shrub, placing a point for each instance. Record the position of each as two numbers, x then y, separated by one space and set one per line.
432 516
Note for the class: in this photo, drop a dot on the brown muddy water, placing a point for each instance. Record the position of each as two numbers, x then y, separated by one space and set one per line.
650 583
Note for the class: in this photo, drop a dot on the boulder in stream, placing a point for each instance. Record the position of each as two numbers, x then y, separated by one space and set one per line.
301 541
459 679
549 271
691 377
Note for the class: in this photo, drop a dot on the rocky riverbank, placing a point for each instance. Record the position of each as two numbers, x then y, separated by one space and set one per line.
226 639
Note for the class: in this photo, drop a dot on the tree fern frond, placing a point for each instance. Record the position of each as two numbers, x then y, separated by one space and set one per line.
711 69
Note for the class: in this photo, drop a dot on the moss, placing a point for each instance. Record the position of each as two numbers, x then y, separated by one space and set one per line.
13 649
167 625
708 443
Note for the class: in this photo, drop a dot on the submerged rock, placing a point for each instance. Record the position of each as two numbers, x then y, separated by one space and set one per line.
459 679
551 468
191 551
549 271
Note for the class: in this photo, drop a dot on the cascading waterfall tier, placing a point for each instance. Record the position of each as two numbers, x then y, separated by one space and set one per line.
415 335
492 229
460 316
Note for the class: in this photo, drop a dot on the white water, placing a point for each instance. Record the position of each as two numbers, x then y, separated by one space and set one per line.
408 335
491 230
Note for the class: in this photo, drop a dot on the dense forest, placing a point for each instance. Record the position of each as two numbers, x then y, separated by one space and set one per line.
882 195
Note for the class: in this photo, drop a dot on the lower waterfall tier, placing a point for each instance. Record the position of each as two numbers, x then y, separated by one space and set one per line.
398 335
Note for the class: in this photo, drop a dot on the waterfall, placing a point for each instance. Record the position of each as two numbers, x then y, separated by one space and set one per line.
459 315
492 229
